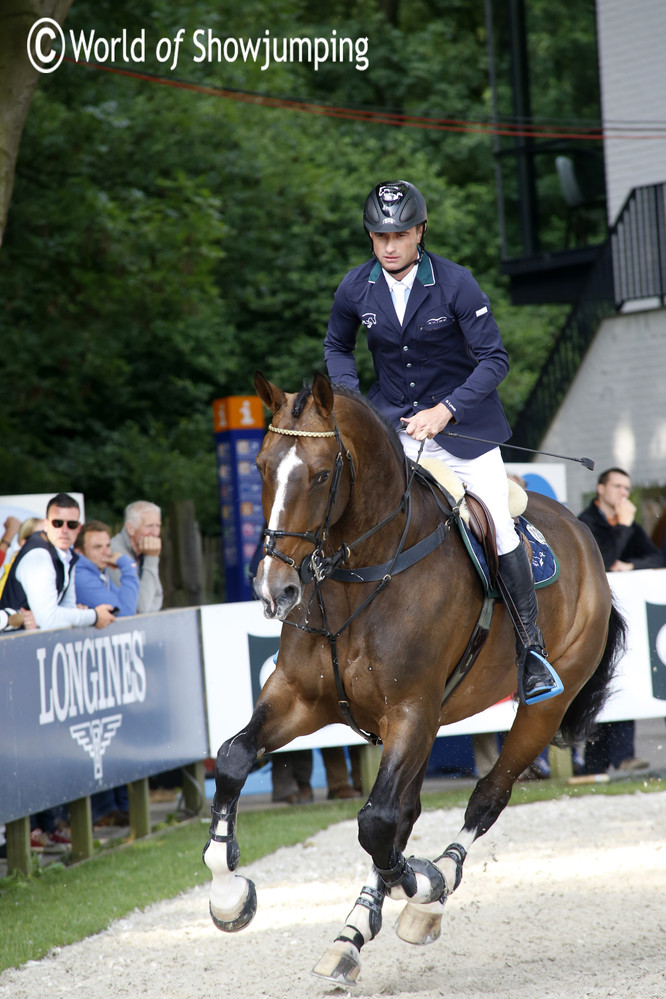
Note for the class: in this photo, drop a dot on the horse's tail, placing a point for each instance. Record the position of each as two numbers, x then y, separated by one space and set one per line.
579 718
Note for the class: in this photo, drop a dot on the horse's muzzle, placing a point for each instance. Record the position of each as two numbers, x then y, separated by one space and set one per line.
278 596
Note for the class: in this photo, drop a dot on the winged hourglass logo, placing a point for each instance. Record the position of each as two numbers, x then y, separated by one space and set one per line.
94 737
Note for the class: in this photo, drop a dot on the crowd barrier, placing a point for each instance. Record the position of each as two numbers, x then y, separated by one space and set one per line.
83 710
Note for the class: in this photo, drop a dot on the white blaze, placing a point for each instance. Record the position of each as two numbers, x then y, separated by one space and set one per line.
289 463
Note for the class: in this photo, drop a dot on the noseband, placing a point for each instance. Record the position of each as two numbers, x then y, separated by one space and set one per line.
317 565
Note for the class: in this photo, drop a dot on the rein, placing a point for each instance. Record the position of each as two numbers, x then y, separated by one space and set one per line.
317 567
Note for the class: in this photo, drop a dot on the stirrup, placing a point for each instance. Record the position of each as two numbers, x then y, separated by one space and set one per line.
543 692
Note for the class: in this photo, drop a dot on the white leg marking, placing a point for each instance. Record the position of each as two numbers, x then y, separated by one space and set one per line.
448 867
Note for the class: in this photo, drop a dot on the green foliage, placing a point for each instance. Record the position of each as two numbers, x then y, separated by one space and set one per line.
163 243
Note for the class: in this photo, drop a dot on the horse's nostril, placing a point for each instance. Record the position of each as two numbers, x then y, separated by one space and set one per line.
290 594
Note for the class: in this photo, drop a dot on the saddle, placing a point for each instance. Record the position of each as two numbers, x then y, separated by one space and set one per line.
474 511
478 531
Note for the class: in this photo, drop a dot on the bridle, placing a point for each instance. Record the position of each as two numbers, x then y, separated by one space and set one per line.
316 565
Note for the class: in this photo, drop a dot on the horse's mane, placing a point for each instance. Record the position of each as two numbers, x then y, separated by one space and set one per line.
386 424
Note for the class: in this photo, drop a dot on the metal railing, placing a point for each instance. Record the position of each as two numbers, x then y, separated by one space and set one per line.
631 265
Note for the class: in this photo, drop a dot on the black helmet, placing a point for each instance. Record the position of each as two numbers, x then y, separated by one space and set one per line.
394 206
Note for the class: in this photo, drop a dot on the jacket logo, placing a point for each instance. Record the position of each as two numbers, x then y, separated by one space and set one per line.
439 319
369 319
95 736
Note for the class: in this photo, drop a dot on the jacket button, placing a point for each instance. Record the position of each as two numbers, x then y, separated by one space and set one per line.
415 404
405 347
409 364
412 384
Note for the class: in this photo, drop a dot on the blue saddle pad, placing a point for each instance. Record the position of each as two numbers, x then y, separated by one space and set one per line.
545 566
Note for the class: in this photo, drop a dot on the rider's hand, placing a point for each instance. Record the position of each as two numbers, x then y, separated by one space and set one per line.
428 422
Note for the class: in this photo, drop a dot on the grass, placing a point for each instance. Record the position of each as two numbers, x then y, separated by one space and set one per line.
60 905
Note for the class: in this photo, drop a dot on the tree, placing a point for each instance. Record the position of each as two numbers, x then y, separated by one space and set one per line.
163 243
19 80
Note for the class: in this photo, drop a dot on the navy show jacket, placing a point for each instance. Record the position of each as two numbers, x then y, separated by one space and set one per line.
449 349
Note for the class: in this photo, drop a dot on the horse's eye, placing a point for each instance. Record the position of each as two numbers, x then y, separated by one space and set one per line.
321 477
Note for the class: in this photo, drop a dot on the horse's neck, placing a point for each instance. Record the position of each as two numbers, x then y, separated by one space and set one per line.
377 493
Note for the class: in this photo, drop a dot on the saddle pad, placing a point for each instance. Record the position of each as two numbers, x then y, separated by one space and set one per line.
545 566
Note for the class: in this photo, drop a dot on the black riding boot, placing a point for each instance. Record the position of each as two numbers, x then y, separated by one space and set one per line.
537 680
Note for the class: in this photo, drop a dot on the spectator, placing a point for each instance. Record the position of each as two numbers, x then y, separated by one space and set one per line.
93 585
110 807
140 539
291 773
12 525
337 775
610 516
624 546
41 577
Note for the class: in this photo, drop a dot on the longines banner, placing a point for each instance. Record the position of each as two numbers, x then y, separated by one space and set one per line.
239 645
83 709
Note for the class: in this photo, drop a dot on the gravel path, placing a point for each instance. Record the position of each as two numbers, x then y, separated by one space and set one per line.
560 900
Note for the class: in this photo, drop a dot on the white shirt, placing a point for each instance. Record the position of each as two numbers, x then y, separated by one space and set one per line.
403 286
37 576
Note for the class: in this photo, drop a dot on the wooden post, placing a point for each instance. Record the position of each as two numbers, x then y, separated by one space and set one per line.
80 820
183 556
370 759
139 807
19 857
194 787
560 761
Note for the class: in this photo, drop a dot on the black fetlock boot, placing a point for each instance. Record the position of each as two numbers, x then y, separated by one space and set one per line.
537 680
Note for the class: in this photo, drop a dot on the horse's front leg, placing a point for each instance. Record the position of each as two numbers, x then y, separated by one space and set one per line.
233 898
341 962
385 823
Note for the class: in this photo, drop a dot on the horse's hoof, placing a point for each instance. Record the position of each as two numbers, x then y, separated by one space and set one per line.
340 964
420 924
230 918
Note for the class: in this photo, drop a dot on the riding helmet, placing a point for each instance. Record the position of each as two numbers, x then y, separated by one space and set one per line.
394 206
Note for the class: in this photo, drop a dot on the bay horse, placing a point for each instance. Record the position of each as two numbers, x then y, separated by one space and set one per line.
364 565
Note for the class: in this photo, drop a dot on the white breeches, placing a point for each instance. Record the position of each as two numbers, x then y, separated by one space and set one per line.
484 476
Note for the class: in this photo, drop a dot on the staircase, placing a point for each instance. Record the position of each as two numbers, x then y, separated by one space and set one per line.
631 266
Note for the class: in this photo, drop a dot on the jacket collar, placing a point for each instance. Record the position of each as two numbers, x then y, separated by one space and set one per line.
425 274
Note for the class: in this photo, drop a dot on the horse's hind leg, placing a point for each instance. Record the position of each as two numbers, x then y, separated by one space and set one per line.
420 923
233 898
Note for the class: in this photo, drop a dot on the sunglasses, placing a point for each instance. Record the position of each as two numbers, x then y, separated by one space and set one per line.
72 524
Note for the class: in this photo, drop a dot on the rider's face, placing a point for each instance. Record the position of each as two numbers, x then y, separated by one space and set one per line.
397 252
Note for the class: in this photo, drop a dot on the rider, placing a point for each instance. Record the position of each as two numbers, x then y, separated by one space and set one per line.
438 357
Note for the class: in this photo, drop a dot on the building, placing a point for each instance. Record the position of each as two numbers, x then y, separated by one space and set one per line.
601 391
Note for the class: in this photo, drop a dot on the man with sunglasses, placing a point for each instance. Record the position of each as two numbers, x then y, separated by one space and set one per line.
41 577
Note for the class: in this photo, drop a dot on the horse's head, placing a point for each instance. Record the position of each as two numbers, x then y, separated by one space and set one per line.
306 486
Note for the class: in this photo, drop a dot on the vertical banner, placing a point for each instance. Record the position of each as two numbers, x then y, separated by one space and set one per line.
656 622
239 430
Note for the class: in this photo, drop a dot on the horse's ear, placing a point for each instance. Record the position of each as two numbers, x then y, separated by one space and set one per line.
271 396
322 394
